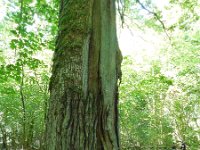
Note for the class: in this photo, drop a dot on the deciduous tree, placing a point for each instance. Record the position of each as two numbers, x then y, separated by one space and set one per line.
83 111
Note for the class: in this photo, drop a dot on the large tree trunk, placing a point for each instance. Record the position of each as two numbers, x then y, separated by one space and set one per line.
83 88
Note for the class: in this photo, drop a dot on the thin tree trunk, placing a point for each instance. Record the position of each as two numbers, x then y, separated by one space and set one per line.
83 113
4 138
24 140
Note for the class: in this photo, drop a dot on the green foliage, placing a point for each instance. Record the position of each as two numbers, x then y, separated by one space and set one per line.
143 120
159 110
24 75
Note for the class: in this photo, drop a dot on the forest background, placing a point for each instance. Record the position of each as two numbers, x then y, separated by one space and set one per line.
159 92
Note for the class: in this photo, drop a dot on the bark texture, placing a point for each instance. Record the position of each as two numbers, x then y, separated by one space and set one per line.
83 112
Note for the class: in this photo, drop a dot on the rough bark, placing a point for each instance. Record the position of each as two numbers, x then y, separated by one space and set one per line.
83 102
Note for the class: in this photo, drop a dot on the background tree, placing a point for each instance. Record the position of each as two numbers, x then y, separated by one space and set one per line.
83 111
24 71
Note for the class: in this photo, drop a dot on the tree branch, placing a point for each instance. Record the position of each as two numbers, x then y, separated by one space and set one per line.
156 16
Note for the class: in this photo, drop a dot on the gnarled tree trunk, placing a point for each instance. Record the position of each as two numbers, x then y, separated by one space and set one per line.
83 111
